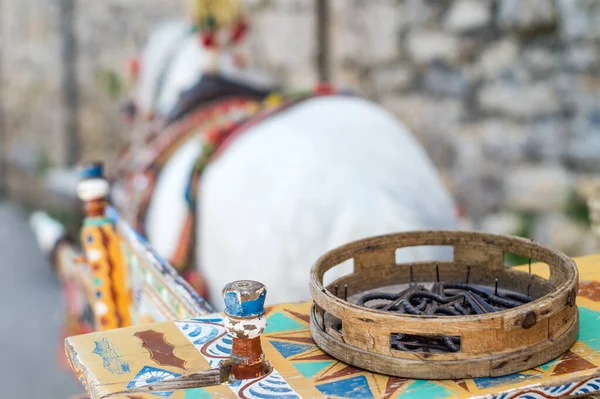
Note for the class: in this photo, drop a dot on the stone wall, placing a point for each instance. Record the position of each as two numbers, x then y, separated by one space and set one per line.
30 55
504 94
107 33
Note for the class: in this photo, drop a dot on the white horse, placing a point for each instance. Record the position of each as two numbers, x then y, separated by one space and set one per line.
322 173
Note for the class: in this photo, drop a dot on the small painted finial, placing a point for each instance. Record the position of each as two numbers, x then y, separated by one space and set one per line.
93 188
245 321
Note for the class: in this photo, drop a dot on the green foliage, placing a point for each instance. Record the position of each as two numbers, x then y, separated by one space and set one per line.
511 259
70 219
525 230
525 225
43 164
577 209
110 82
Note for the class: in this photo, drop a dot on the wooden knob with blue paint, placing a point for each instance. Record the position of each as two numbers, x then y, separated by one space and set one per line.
245 321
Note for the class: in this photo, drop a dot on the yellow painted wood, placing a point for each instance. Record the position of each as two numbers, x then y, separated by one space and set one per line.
107 361
111 295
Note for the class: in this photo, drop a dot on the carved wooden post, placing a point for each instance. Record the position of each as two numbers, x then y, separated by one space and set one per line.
111 296
244 319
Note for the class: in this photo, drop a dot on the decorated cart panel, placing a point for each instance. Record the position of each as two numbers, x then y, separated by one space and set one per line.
159 292
117 360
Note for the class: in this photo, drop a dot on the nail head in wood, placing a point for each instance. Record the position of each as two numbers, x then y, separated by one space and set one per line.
529 320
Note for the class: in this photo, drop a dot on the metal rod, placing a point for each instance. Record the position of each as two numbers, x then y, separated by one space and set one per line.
467 282
335 290
437 272
478 304
401 296
322 314
468 273
411 273
345 292
496 288
528 289
530 260
206 378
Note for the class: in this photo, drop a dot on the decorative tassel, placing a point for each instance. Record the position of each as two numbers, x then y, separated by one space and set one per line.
214 14
239 31
210 18
133 68
208 39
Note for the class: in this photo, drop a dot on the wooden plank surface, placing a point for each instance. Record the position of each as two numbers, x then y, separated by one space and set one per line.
111 361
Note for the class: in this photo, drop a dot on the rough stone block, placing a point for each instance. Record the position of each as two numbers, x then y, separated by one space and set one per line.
579 19
542 188
501 223
366 32
526 102
426 46
497 57
468 15
526 15
562 233
393 78
540 60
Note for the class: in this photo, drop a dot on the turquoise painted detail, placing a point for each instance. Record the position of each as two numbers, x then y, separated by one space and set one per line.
354 388
288 349
589 325
310 369
278 322
486 382
111 359
235 307
549 365
97 282
97 221
150 375
425 389
197 393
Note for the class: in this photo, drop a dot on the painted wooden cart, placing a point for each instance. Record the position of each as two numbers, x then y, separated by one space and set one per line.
157 338
113 361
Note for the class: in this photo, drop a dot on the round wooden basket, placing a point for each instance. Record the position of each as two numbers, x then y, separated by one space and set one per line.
490 344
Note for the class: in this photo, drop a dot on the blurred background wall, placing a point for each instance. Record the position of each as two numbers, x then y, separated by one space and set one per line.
503 94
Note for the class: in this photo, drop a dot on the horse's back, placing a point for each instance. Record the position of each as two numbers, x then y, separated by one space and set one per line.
324 172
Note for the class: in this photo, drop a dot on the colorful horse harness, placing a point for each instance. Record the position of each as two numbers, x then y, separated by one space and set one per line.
218 123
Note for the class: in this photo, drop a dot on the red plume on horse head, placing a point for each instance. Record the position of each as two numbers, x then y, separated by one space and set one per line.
220 23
